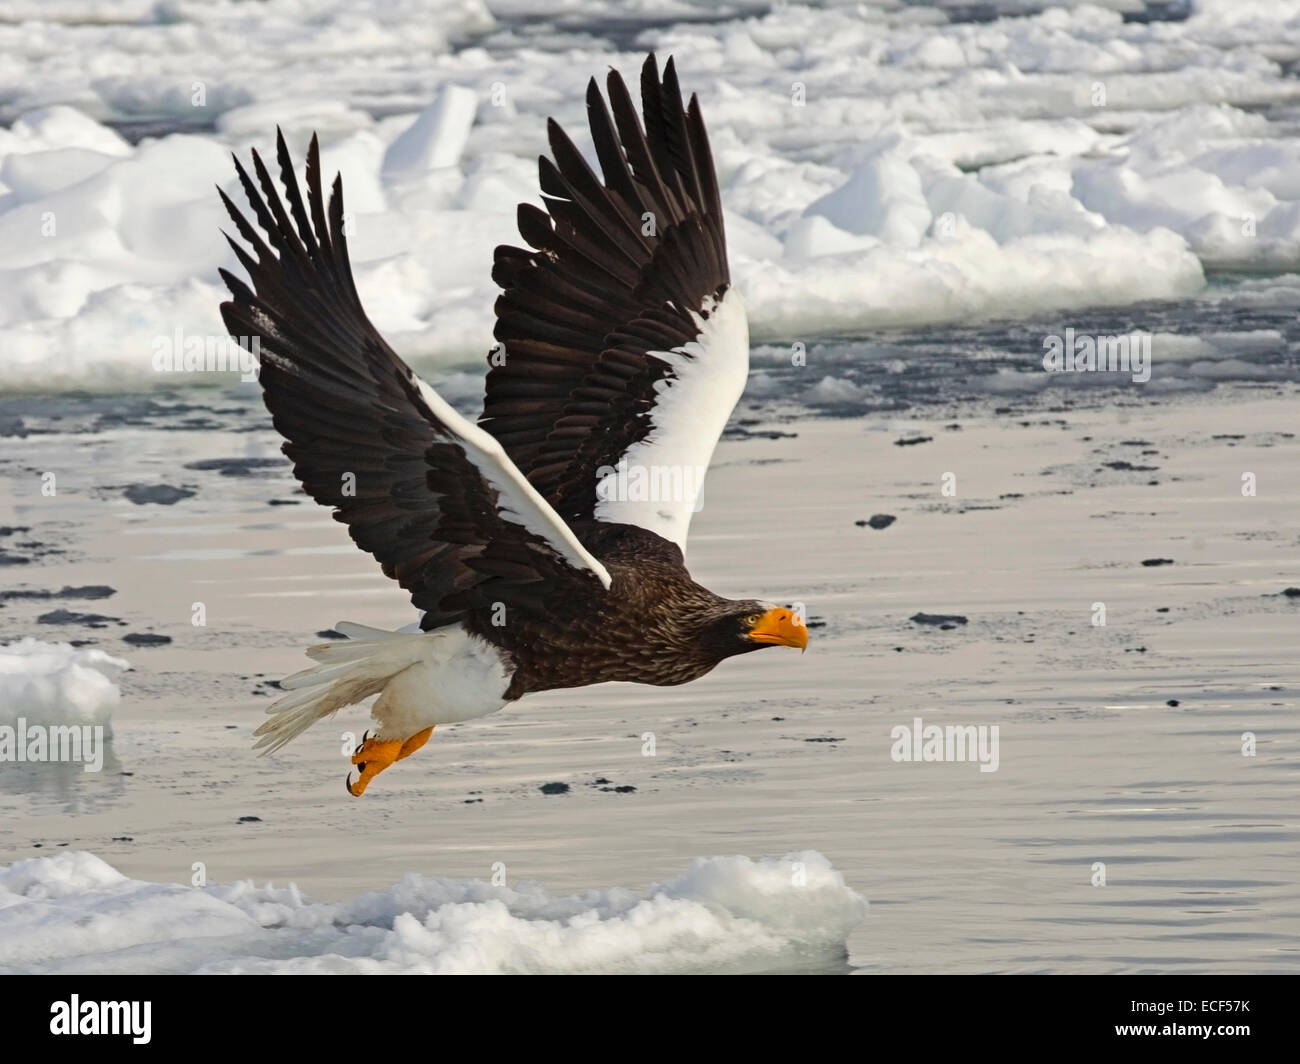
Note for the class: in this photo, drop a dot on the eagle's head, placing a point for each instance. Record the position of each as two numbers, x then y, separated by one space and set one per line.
753 625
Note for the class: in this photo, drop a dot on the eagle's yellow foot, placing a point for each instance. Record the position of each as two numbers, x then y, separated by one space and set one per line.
374 755
414 743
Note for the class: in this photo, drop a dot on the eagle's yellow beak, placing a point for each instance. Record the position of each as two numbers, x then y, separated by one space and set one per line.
782 628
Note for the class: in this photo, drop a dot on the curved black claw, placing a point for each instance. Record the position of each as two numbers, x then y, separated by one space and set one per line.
361 767
364 739
347 784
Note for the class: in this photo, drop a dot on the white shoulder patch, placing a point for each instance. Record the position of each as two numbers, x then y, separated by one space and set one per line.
658 483
519 501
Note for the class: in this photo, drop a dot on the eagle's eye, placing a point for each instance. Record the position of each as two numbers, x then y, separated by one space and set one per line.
753 619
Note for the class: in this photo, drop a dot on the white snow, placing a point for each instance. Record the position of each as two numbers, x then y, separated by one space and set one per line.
74 913
879 165
437 138
48 683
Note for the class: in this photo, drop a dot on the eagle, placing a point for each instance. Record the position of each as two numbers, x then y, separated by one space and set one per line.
543 545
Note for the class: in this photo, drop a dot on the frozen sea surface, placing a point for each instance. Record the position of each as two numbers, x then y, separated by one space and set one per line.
882 164
917 198
1157 750
74 913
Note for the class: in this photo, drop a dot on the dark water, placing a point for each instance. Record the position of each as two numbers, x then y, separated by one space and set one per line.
1241 330
1246 328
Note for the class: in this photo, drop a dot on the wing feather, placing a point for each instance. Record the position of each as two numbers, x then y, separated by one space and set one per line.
432 496
625 343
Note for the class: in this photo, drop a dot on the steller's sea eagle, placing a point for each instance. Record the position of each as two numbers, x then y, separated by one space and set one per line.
622 348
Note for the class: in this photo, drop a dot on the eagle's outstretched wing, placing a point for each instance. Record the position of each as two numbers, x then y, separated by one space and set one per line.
434 498
624 347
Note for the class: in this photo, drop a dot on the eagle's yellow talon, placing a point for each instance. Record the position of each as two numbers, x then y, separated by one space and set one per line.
385 750
374 755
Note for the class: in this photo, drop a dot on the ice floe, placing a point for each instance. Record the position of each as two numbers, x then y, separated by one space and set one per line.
75 913
881 165
56 683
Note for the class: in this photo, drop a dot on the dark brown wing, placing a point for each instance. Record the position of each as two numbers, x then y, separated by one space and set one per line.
430 495
606 321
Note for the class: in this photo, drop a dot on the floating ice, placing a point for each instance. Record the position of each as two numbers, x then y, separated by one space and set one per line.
437 137
74 913
57 683
880 166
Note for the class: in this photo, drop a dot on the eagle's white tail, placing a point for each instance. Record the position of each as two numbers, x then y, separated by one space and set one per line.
348 672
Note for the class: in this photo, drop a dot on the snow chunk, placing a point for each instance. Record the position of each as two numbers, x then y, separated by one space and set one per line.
437 137
57 683
882 198
74 913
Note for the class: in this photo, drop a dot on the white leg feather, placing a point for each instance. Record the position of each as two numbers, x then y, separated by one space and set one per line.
422 678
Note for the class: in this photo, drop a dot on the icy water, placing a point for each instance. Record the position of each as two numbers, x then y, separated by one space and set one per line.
1121 745
918 196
